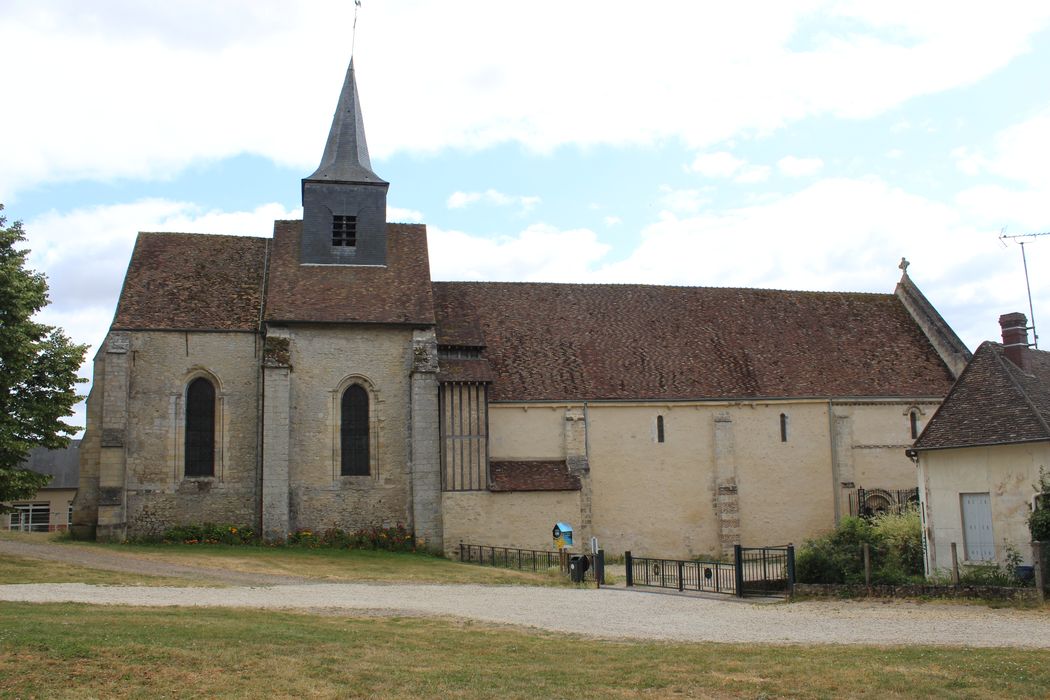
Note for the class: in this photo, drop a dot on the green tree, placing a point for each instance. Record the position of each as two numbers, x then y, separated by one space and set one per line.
38 370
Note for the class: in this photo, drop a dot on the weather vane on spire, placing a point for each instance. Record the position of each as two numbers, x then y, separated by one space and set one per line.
353 34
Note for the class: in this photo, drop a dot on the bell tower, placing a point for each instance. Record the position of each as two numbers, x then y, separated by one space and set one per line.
344 202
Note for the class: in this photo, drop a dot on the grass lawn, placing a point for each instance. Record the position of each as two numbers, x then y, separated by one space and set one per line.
335 565
14 569
329 565
86 651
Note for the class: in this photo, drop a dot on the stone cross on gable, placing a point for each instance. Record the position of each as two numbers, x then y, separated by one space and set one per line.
904 265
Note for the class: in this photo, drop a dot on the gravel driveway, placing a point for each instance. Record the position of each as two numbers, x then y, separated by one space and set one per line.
608 613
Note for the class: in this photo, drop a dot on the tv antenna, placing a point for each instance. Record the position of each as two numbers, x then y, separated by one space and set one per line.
1003 238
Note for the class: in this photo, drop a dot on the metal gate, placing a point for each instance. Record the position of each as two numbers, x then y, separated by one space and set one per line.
754 571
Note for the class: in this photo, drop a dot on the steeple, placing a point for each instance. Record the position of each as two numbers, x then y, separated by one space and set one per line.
345 156
344 201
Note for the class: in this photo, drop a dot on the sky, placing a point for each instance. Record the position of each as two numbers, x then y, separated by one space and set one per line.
802 145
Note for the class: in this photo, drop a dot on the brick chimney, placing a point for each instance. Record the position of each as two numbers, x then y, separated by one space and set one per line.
1015 337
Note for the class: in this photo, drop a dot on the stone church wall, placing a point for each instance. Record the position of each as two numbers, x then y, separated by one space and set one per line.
722 475
158 492
325 360
523 520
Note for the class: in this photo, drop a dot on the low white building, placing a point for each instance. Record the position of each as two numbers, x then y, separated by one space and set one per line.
980 455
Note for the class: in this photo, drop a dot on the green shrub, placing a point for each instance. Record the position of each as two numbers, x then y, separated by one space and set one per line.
1039 519
209 533
1039 524
901 535
895 545
391 539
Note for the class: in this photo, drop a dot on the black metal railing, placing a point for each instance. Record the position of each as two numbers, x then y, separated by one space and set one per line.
766 571
867 503
536 560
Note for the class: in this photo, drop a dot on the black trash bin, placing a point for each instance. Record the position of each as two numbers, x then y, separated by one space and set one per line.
578 565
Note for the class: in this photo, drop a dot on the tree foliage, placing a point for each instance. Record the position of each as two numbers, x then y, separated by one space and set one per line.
38 370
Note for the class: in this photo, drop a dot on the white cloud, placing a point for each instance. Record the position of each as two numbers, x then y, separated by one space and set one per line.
612 221
540 253
681 201
793 166
157 87
719 164
752 174
410 216
459 200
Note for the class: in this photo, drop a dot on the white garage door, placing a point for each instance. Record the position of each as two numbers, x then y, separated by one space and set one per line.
977 526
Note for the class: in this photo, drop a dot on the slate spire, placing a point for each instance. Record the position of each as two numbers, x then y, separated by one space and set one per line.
344 201
345 156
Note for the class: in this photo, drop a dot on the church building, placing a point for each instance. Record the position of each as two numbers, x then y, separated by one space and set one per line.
319 378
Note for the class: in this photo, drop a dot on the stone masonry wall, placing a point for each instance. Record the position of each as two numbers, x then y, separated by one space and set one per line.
325 360
157 491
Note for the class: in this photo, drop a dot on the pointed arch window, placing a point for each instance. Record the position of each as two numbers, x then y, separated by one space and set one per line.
353 431
200 428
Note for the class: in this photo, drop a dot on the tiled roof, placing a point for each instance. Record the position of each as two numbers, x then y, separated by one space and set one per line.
190 281
532 476
600 341
465 371
993 403
398 292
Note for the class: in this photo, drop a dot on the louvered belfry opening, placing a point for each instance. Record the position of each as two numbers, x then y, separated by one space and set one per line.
353 432
200 428
344 231
464 418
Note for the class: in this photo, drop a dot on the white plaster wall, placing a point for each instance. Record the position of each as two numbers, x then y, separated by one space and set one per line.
1007 473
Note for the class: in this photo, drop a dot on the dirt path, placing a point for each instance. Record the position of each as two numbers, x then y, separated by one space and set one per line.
606 613
107 560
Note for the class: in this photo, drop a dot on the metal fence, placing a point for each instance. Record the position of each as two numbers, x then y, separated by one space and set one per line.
766 571
867 503
534 560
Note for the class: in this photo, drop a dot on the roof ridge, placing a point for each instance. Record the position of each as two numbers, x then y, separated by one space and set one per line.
665 286
197 233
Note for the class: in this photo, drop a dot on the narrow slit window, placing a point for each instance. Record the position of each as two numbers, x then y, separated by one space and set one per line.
913 418
659 428
783 427
344 231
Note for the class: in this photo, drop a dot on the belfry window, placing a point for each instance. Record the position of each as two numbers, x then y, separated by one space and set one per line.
353 431
200 428
344 231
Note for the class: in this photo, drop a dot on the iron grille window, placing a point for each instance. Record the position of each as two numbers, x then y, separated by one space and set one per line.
353 432
344 231
200 428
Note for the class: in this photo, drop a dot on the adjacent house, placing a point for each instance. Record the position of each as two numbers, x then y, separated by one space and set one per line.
981 452
52 507
320 378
